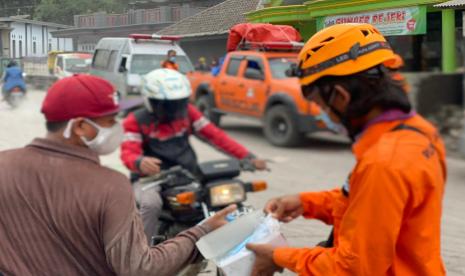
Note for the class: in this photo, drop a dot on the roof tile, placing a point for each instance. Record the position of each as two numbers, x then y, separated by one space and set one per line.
215 20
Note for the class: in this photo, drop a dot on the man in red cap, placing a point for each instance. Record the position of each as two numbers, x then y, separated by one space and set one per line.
62 213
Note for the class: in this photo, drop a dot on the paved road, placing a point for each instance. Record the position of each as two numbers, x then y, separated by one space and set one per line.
323 163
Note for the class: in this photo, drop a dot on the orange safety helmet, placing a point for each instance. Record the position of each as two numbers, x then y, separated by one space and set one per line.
341 50
396 63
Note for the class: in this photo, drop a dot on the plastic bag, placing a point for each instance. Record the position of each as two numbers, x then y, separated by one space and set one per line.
239 261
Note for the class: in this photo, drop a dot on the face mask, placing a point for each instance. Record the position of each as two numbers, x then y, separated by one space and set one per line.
331 125
108 139
172 59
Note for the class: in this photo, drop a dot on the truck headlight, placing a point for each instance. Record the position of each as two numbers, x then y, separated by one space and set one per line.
226 194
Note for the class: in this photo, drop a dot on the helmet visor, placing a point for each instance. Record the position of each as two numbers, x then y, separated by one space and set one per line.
168 111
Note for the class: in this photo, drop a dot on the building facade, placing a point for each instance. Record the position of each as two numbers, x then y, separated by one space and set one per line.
146 17
428 37
29 38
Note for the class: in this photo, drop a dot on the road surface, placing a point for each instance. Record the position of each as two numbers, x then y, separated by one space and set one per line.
323 163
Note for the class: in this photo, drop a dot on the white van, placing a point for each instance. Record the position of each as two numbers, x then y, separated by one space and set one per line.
122 61
68 64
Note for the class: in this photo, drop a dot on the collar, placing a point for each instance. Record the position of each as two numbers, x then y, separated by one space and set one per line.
65 149
376 127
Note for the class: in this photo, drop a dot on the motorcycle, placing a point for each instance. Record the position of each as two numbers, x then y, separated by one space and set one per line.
189 199
14 97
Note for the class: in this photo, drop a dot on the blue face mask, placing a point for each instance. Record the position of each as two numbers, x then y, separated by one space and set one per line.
331 125
172 59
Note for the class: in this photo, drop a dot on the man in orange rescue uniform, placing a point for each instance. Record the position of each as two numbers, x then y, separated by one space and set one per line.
387 216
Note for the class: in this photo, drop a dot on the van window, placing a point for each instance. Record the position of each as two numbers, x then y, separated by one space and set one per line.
113 60
101 59
143 64
233 66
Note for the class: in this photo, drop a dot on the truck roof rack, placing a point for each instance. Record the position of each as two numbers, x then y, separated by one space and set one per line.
290 46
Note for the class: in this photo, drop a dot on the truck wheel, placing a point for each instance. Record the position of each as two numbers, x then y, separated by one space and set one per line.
281 128
205 105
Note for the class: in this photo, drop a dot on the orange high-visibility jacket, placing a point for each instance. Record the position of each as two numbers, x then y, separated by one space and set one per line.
389 224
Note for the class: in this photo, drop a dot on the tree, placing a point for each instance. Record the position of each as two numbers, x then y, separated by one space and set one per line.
63 11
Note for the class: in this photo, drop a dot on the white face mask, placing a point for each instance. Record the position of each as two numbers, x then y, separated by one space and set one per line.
108 139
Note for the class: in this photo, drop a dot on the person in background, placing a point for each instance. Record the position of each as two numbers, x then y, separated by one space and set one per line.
12 77
202 65
170 61
216 69
63 213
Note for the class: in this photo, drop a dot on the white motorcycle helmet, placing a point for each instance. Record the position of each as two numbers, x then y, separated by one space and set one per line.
166 94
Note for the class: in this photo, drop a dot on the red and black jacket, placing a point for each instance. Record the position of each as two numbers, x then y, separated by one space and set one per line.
144 136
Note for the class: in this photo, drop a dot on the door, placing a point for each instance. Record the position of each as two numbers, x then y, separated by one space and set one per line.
228 84
253 86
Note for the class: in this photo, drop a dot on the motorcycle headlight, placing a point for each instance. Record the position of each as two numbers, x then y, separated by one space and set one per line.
226 194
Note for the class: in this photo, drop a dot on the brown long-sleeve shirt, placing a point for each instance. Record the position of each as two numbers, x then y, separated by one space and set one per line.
62 213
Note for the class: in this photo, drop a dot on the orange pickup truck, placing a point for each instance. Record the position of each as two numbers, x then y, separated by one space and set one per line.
254 84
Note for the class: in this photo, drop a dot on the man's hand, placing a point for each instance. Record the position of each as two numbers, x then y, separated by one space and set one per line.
259 164
285 208
219 219
264 264
150 166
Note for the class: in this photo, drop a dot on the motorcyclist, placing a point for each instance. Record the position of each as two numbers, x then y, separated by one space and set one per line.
157 137
12 77
387 216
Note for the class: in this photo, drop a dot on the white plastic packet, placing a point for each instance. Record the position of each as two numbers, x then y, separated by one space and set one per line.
238 260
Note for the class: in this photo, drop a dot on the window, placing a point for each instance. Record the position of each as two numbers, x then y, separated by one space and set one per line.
49 46
113 57
34 47
143 64
101 59
233 66
20 44
254 69
14 48
279 66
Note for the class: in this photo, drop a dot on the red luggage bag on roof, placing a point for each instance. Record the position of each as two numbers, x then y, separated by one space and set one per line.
260 33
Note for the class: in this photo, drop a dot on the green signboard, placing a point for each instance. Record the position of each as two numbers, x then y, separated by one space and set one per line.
400 21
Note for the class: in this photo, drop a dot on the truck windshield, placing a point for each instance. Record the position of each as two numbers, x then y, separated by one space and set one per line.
279 66
77 65
143 64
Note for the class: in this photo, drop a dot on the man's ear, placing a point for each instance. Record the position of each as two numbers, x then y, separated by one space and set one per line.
79 127
341 98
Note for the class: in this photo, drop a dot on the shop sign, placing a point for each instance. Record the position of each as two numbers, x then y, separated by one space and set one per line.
400 21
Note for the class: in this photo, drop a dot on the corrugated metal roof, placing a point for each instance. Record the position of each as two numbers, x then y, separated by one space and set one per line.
451 4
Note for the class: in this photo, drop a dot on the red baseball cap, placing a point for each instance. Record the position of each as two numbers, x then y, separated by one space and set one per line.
80 96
